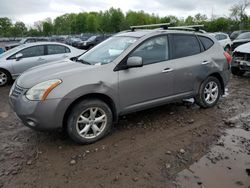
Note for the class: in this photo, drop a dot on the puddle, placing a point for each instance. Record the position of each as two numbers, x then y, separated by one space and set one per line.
225 166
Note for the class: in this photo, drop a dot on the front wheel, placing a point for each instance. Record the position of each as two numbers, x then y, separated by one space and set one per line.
209 93
89 121
5 78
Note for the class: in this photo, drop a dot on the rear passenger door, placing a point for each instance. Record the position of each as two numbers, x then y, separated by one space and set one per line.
187 61
57 52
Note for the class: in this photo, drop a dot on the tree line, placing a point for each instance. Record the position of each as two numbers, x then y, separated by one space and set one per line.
114 20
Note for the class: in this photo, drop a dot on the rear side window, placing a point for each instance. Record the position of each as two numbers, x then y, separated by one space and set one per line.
184 45
57 49
223 37
206 42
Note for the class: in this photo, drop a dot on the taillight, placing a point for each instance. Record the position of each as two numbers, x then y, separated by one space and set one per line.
228 57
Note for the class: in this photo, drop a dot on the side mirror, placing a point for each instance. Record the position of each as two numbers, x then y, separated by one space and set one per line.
134 62
19 56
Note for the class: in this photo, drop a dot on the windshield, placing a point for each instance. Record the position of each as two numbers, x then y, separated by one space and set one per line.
244 36
92 38
107 51
22 41
11 51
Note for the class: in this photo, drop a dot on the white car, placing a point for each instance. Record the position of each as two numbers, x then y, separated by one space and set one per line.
223 39
19 59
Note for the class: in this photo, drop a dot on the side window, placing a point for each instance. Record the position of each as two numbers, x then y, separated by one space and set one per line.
223 37
207 43
33 51
57 49
153 50
217 37
185 45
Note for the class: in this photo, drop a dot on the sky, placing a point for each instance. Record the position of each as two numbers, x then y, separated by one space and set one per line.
29 11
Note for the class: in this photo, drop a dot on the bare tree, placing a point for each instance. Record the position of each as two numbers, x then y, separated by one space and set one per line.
238 11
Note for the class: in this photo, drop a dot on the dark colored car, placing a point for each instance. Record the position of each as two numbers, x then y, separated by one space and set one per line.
235 34
26 40
73 41
91 42
241 39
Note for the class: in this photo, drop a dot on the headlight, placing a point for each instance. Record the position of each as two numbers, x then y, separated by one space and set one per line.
40 91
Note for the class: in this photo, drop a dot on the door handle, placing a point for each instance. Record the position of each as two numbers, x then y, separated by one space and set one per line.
205 62
166 70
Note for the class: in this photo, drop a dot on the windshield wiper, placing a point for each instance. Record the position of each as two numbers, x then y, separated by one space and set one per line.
83 62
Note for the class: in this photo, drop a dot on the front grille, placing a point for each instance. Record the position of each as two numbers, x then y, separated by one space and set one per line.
17 91
242 56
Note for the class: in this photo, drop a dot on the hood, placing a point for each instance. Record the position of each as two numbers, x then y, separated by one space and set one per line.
244 48
241 40
56 70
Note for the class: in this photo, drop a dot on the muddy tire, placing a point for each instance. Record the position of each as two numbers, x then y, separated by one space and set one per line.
236 71
5 77
209 93
89 121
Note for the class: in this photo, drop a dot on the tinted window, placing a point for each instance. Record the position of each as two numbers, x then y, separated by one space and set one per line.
244 36
33 51
223 37
57 49
185 45
206 42
153 50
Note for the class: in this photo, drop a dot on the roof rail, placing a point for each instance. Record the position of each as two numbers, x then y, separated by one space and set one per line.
162 25
188 27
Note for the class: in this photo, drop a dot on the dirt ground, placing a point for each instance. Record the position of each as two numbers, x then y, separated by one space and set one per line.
148 149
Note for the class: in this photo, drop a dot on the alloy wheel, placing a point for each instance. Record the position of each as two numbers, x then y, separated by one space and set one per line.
211 92
91 122
3 78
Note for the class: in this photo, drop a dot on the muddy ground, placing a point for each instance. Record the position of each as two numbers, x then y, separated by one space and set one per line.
177 145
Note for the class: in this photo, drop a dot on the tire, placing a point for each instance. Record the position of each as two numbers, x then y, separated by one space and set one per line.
82 127
208 96
236 71
5 77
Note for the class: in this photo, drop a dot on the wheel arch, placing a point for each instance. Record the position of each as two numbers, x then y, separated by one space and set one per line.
99 96
219 77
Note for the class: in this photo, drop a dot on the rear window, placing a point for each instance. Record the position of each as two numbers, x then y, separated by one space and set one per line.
206 42
185 45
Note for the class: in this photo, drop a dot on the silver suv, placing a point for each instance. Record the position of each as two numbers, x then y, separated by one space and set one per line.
128 72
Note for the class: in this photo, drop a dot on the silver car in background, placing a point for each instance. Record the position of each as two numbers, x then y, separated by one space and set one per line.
128 72
19 59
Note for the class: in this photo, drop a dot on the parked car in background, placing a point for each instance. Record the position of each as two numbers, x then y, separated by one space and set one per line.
224 40
60 39
73 41
91 42
19 59
241 39
26 40
241 60
235 34
128 72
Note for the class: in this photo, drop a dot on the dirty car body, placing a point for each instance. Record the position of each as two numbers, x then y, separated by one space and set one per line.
128 72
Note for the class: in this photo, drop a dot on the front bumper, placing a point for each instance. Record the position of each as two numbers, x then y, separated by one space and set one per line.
241 64
38 115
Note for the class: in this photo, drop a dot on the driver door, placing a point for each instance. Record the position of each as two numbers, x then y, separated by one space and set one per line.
31 57
150 84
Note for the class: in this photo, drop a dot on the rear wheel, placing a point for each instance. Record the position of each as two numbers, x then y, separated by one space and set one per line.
89 121
236 71
5 77
209 93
